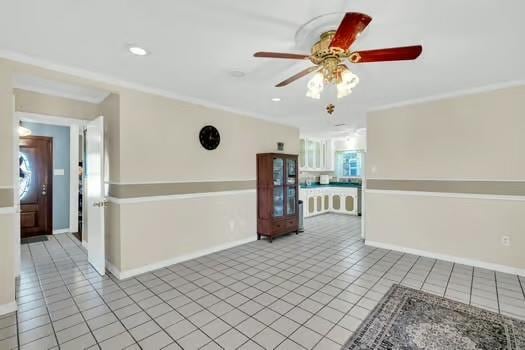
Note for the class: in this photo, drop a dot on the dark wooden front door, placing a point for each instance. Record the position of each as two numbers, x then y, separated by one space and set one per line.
36 177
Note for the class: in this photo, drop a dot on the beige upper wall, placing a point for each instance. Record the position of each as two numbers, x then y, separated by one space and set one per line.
110 110
34 102
6 127
469 137
160 141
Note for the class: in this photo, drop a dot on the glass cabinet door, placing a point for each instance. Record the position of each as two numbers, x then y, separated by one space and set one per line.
310 154
278 171
278 202
317 148
291 201
302 153
291 171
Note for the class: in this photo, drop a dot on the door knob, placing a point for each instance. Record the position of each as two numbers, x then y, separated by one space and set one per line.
101 204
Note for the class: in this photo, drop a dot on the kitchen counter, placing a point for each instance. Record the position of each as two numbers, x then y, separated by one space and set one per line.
342 198
331 184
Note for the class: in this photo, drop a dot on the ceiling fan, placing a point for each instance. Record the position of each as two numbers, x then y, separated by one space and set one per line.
329 53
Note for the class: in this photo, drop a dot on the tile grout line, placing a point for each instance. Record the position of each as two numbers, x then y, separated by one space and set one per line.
251 299
449 278
369 289
471 287
497 293
104 301
275 274
72 298
45 301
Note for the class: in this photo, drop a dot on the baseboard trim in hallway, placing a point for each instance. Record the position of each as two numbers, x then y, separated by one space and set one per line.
165 263
472 262
8 308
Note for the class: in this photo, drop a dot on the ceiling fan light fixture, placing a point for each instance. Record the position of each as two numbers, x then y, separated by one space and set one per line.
348 81
315 86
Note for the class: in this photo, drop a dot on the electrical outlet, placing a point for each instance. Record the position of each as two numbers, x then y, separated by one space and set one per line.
505 240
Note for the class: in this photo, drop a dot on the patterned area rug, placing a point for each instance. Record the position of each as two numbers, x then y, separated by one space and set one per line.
410 319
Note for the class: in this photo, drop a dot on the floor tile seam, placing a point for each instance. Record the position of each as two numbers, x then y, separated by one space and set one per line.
118 319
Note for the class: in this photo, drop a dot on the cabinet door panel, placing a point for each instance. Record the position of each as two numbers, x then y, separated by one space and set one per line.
278 202
336 202
291 171
291 200
349 203
278 171
311 205
302 153
310 149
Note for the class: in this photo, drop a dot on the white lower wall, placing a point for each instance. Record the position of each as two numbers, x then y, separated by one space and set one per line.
158 232
468 228
7 260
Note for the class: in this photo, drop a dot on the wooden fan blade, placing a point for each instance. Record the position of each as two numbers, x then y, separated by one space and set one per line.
297 76
392 54
292 56
352 25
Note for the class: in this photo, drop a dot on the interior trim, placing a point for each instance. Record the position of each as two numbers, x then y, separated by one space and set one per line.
448 195
123 274
7 197
8 210
498 188
119 83
177 196
8 308
174 182
169 189
449 95
465 261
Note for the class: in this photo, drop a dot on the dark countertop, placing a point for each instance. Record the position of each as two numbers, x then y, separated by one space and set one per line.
332 184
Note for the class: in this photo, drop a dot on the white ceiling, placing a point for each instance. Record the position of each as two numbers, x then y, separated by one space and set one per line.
196 44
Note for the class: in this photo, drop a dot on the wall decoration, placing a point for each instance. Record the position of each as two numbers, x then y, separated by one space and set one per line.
209 137
24 175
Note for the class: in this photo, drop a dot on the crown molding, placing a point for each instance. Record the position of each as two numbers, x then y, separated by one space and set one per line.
116 82
457 93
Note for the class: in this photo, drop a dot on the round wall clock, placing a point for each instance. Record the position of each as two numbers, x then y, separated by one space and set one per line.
209 137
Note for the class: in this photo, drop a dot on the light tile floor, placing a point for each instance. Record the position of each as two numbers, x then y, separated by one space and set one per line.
309 291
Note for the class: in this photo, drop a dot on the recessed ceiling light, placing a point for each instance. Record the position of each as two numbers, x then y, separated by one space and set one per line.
237 74
137 50
276 99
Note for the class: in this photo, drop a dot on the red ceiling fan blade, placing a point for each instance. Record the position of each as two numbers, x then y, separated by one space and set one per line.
297 76
291 56
352 25
392 54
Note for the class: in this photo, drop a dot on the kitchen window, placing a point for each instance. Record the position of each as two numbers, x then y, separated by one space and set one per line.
349 164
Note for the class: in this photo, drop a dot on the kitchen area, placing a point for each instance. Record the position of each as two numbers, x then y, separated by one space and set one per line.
331 174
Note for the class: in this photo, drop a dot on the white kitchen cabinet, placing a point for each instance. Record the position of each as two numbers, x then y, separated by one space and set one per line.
316 154
321 200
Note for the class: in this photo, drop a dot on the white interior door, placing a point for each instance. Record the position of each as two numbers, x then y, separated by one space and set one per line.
95 194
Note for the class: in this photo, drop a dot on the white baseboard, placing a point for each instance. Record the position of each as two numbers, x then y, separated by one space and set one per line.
62 230
85 244
161 264
465 261
8 308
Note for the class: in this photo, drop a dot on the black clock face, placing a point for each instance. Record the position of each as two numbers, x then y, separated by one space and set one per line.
209 137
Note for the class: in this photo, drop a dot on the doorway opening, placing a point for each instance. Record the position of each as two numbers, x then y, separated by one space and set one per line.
52 182
35 189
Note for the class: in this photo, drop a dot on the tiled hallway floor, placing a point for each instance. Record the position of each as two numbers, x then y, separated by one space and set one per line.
302 292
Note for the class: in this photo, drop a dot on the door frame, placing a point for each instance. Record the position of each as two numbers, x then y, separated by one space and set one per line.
75 127
49 198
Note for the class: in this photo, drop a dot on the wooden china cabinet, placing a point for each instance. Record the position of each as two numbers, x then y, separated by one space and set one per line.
277 194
